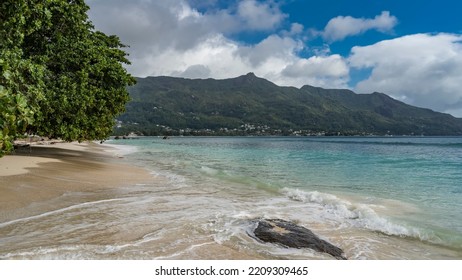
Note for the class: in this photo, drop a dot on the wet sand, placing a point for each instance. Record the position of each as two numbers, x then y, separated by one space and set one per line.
33 180
83 201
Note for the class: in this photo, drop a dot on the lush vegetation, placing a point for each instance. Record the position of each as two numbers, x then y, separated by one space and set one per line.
249 105
59 77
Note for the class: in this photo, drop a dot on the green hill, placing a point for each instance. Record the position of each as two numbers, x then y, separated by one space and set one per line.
249 105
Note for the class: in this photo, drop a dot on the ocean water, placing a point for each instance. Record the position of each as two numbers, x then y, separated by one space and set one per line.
376 198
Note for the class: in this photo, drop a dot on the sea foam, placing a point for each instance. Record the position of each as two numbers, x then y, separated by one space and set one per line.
120 150
353 214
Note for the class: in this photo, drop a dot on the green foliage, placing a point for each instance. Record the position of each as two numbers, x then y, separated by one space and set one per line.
168 105
59 77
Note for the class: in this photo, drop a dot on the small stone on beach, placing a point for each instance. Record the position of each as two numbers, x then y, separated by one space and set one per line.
291 235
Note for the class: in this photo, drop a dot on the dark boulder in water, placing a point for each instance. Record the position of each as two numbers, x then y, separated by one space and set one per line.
294 236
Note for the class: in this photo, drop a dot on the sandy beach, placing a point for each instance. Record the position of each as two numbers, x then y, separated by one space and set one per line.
85 201
181 200
37 179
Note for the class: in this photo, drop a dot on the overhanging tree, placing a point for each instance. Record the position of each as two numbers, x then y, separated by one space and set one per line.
59 77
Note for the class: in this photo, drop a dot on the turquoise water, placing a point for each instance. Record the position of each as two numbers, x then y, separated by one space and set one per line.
376 198
408 188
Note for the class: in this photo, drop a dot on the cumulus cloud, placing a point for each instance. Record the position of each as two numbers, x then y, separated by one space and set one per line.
156 28
326 71
420 69
150 27
260 16
272 47
170 37
216 53
341 27
197 71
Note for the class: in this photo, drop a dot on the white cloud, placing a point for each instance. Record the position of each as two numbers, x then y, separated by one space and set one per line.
216 53
260 16
272 47
151 27
325 71
296 28
333 65
421 69
341 27
197 71
169 37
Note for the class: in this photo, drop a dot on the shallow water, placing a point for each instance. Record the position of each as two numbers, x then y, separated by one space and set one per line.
376 198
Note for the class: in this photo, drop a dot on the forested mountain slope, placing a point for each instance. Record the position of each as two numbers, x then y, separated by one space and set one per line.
252 105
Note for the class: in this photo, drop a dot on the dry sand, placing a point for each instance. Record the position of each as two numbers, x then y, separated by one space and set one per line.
41 174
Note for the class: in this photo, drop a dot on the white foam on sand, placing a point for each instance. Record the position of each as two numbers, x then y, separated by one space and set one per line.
119 150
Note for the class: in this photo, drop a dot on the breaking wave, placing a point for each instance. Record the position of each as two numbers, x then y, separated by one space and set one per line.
357 215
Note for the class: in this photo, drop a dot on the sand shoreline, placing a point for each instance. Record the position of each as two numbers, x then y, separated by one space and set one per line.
42 178
82 201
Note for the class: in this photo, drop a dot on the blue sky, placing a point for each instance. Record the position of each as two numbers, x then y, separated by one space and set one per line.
410 50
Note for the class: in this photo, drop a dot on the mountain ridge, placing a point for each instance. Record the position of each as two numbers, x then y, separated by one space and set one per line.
250 105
